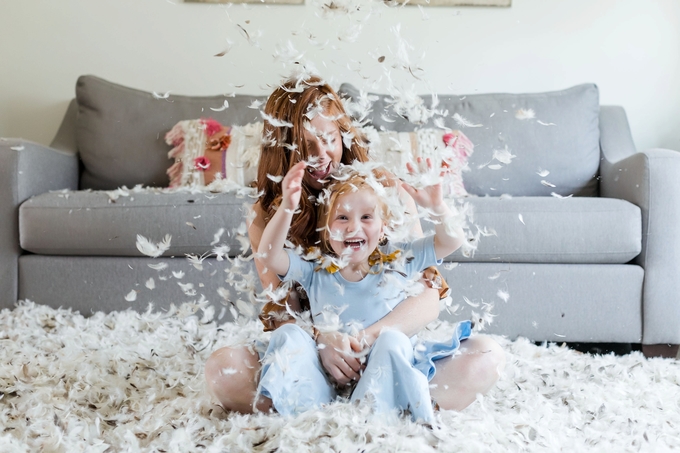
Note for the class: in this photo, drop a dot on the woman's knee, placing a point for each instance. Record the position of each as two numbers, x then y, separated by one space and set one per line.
230 377
485 356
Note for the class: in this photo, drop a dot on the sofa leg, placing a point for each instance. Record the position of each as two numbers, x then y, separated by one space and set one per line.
669 351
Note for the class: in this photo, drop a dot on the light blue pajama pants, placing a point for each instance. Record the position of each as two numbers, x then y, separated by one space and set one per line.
293 377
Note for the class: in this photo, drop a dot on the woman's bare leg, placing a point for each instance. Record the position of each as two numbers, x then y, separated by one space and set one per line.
231 375
475 370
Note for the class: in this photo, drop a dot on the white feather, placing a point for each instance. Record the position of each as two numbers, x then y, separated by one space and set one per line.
148 248
225 106
464 122
161 96
525 114
275 122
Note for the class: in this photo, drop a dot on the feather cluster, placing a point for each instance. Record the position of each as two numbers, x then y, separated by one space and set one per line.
129 381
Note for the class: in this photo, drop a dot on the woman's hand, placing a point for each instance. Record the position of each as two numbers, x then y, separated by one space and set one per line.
337 352
292 186
429 197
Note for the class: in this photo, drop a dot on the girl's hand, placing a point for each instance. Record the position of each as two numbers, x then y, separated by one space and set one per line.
292 186
429 197
337 356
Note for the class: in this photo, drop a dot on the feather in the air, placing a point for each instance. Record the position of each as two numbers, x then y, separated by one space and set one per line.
187 288
464 122
273 121
503 155
217 236
158 266
225 106
165 95
154 250
503 295
525 114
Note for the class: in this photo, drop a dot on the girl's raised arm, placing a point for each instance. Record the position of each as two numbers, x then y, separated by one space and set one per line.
270 249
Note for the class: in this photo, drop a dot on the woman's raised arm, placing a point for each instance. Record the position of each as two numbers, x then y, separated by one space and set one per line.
416 312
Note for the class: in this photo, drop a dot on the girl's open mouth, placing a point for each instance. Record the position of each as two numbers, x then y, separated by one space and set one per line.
354 244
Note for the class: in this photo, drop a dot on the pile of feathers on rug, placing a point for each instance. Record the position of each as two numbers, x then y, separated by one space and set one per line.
131 382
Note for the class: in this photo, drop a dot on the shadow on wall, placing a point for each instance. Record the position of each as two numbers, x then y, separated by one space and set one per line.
32 119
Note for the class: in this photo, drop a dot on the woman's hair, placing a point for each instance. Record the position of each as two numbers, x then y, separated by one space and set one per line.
378 181
284 145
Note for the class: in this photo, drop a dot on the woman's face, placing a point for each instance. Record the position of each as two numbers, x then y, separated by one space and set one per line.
324 145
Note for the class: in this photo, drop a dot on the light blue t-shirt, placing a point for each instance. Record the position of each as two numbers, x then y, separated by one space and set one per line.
361 304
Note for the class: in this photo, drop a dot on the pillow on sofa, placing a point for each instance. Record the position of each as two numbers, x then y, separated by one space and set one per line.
120 130
447 150
205 150
525 144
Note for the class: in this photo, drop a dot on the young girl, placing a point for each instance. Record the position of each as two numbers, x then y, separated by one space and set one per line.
352 289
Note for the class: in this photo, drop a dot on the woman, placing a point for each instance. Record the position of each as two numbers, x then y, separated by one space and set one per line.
294 130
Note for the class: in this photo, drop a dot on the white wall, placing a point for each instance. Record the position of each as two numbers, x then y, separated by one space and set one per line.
630 48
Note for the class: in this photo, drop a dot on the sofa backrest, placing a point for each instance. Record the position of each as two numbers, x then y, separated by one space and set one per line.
120 131
551 139
554 136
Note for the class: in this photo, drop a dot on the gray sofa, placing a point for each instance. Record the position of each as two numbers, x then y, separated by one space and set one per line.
599 266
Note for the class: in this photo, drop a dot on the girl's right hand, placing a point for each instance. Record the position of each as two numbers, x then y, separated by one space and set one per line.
337 356
291 186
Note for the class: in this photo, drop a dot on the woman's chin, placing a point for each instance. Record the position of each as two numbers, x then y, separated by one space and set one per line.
315 184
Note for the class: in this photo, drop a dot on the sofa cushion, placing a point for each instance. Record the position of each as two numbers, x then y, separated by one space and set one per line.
553 230
89 223
550 230
120 130
555 131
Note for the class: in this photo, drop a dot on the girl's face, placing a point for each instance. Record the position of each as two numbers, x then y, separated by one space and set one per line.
356 225
324 144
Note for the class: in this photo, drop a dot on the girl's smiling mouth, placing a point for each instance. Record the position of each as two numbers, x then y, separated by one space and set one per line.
354 244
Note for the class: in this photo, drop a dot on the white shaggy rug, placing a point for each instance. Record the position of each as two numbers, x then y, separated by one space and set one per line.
130 382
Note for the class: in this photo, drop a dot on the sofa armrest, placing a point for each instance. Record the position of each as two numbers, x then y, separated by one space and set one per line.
616 142
26 169
650 180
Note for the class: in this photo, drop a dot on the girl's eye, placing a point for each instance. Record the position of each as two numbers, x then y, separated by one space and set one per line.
367 217
342 217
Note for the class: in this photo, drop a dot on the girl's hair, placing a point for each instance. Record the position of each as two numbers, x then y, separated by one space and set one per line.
284 145
379 181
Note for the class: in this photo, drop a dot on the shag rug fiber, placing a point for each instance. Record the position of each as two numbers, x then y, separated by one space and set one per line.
134 382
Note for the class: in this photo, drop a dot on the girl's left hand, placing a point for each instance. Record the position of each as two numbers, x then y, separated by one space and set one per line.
291 186
429 197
